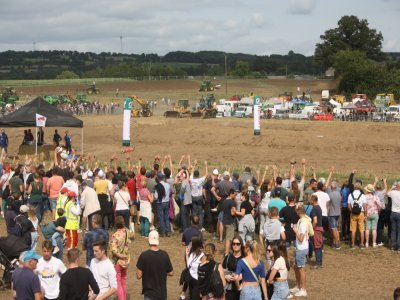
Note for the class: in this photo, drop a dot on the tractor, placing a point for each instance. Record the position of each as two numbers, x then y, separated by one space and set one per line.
92 89
82 98
180 110
206 107
206 86
8 96
53 100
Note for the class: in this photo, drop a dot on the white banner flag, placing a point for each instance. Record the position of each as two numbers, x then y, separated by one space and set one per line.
40 121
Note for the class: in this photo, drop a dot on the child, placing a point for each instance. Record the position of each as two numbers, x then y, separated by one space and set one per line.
273 229
35 221
54 231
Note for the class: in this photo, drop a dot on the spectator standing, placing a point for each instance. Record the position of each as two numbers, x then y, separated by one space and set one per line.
316 217
228 209
276 199
193 257
25 283
54 184
162 194
145 198
373 206
323 199
56 138
394 194
95 234
357 207
68 141
380 191
186 198
229 264
25 225
153 267
247 224
3 141
345 213
49 270
334 205
75 282
289 216
122 201
103 271
191 231
279 272
72 213
197 183
89 204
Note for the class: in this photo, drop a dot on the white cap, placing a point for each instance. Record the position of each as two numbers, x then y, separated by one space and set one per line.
226 173
154 238
100 174
24 209
215 172
89 174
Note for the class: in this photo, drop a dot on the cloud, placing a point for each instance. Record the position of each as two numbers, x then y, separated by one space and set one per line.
301 7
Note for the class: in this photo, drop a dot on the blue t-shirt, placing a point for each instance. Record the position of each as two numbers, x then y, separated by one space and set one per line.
247 276
25 283
279 203
91 237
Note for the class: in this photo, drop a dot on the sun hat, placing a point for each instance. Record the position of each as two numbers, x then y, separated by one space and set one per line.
154 238
369 188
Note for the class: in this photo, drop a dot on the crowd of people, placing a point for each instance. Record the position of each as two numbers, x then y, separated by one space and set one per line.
249 214
90 108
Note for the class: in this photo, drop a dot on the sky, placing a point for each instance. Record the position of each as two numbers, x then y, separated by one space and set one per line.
261 27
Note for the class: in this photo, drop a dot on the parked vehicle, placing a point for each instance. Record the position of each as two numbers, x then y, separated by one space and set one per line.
244 111
299 115
281 114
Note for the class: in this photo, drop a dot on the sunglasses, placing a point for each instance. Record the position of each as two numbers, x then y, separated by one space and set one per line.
236 244
269 250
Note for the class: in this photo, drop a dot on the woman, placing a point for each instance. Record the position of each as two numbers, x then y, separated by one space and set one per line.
279 272
35 221
122 199
145 198
205 270
120 255
263 208
251 269
294 188
35 191
193 260
229 264
247 224
372 214
380 191
270 259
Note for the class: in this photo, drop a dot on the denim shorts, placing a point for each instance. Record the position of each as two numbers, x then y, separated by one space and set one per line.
281 290
300 258
333 222
250 293
221 216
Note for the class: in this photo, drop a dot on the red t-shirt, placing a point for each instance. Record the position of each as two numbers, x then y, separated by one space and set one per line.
131 185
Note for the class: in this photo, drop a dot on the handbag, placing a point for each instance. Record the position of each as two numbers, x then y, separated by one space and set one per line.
124 263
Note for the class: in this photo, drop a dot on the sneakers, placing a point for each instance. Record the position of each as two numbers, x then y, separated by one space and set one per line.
290 296
362 247
301 293
56 250
352 247
366 245
380 244
294 290
374 245
202 229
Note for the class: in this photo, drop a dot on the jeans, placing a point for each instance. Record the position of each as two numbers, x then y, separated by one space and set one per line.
162 210
125 214
121 282
197 209
60 246
345 222
53 203
250 293
281 290
318 256
395 234
144 226
185 211
35 238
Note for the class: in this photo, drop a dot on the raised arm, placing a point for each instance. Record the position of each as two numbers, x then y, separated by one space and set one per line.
171 166
206 167
328 181
314 172
303 165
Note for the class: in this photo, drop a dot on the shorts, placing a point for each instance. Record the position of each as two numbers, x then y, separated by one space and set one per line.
357 221
221 216
136 203
229 232
372 222
333 222
300 258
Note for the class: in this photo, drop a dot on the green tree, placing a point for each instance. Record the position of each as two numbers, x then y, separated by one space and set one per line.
67 75
352 34
241 69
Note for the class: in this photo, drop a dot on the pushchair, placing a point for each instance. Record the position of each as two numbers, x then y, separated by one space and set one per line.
10 249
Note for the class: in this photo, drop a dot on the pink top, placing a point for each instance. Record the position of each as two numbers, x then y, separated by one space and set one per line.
54 184
144 194
373 203
44 179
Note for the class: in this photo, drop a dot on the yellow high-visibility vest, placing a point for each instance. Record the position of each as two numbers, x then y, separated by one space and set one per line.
72 220
60 204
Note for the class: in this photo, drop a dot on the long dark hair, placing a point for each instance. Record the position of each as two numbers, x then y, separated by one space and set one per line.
197 245
238 237
280 250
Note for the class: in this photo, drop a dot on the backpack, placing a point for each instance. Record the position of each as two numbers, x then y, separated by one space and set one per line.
217 287
356 208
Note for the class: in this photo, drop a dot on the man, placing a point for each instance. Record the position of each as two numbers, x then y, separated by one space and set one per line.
75 282
131 185
357 204
95 234
335 201
25 225
228 208
153 267
316 219
72 213
53 186
67 140
223 187
345 213
311 188
186 204
49 270
192 231
56 138
103 271
3 141
103 189
161 194
323 199
210 202
277 200
197 183
394 194
89 203
289 216
246 177
301 229
279 189
25 283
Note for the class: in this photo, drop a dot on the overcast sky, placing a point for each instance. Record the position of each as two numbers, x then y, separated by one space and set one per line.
160 26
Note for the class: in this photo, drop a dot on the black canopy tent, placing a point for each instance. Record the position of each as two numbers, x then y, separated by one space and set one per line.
26 117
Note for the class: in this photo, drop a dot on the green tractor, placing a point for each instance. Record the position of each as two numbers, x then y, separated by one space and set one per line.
92 89
206 86
8 96
50 99
82 98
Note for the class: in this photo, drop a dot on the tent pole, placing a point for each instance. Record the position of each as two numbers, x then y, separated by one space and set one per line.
36 140
82 141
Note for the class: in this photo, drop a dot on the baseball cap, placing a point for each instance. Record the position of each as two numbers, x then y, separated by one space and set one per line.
276 192
31 254
226 174
64 190
160 175
8 168
89 174
100 174
154 238
71 194
215 172
24 209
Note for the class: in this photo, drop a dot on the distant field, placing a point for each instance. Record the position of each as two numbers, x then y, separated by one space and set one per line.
46 82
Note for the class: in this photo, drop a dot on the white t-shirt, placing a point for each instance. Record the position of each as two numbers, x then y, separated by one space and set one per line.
302 229
49 274
362 201
280 266
395 195
265 201
104 273
194 262
197 186
323 199
122 198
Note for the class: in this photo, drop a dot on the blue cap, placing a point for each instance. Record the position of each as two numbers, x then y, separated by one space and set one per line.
31 254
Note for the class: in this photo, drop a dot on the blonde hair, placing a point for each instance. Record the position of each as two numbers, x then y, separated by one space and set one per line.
32 213
209 251
253 247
